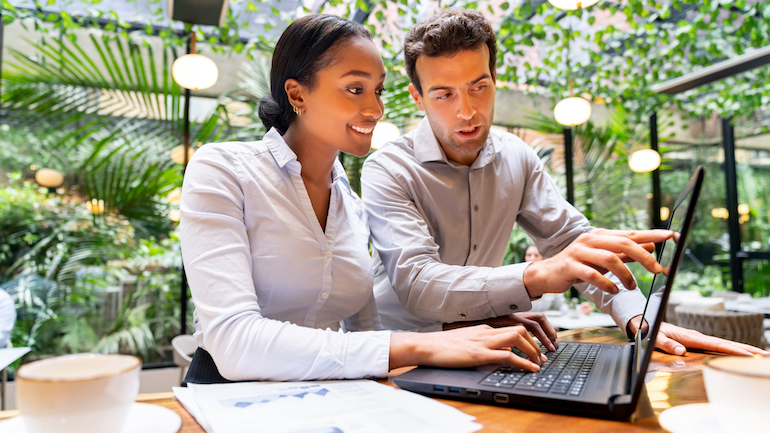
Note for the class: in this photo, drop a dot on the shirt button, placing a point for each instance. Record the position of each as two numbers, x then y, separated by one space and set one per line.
327 254
474 247
513 307
476 208
462 316
324 295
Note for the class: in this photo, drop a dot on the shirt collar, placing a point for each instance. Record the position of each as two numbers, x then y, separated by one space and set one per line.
427 147
278 148
283 155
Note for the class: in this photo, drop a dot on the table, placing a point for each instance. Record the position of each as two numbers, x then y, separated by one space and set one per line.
561 320
756 305
678 381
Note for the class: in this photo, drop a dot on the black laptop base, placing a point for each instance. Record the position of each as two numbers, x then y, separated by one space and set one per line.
606 395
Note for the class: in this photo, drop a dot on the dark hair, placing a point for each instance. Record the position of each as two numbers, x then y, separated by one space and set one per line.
446 34
302 50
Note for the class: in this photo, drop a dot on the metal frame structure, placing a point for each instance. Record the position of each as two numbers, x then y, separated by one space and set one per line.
718 71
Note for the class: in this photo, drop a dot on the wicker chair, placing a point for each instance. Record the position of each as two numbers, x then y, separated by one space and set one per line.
731 325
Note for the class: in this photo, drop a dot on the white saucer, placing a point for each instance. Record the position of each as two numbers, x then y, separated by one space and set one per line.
142 418
690 418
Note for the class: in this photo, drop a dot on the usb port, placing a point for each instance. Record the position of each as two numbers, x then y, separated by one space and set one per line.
500 398
473 392
457 390
438 388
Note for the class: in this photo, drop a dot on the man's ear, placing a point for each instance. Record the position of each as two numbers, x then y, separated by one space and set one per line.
295 91
416 96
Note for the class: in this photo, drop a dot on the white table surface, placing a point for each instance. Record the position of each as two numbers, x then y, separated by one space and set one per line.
7 356
754 305
563 320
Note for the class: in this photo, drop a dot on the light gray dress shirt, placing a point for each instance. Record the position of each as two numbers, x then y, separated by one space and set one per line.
440 231
270 287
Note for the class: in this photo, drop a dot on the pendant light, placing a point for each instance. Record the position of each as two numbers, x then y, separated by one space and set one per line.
194 71
572 111
644 160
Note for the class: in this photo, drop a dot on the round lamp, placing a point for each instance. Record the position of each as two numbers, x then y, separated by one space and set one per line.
743 209
572 111
174 196
174 215
49 178
572 4
194 72
644 161
720 213
177 154
384 132
664 213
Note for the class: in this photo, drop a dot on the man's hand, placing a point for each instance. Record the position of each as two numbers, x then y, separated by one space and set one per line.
676 340
591 256
536 323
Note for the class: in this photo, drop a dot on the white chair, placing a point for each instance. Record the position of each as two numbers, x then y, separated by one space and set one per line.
184 348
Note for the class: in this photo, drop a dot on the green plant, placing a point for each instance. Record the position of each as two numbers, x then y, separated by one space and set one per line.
110 117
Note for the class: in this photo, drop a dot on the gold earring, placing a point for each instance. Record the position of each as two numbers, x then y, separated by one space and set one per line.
297 110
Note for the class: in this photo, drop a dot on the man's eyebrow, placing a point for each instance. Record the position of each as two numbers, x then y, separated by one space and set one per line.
434 88
357 73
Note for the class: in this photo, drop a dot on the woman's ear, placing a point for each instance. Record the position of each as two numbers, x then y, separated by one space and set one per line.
295 91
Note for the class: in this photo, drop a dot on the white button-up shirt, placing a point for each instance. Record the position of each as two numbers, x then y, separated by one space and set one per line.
441 229
270 287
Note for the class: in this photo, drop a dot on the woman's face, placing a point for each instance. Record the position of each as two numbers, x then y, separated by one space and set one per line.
345 103
532 254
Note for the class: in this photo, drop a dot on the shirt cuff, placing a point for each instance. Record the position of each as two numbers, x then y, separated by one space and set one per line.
367 354
506 291
628 304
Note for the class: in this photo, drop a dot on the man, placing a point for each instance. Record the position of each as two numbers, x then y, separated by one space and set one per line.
442 201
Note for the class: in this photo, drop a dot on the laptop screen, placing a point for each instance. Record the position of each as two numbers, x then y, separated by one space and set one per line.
669 256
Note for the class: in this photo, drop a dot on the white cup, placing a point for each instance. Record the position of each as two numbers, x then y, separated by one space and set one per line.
738 389
77 393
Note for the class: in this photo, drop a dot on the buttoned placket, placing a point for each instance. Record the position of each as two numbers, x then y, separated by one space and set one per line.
474 208
325 247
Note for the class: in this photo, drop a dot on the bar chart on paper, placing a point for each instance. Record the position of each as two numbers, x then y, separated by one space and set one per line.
351 406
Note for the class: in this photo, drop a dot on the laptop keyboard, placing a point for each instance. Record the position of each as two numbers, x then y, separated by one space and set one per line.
565 372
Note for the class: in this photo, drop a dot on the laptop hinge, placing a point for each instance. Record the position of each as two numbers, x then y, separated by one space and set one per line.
624 371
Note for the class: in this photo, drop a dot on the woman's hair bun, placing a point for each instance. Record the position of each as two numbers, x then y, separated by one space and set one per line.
272 115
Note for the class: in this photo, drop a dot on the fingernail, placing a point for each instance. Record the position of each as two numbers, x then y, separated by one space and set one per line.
536 367
679 351
551 347
556 344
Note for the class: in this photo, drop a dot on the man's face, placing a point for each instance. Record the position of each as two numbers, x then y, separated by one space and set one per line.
459 99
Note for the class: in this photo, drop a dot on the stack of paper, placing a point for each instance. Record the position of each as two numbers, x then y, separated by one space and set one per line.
319 407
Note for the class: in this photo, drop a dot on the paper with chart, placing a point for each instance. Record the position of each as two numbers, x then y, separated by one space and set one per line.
320 407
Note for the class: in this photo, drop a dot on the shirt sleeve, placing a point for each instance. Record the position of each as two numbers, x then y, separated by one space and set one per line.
244 344
426 287
553 224
622 306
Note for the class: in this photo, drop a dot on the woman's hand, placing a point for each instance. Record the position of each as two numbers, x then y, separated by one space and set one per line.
466 347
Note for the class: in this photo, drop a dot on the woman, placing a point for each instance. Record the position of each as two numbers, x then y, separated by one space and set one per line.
274 241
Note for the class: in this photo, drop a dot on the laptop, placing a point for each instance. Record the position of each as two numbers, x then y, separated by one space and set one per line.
589 379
